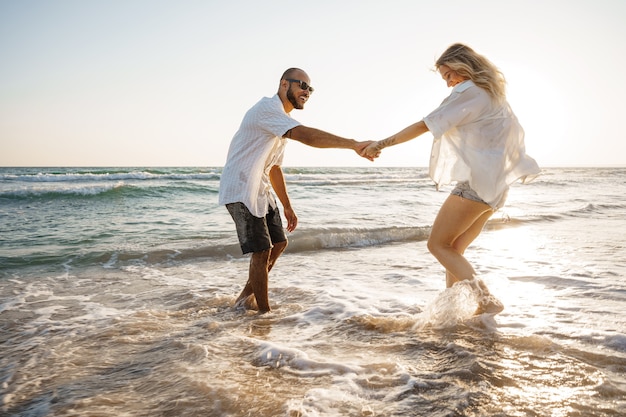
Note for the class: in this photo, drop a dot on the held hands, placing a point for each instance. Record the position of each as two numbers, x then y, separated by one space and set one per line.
371 151
367 149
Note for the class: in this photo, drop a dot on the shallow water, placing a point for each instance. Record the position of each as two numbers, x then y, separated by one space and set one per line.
143 324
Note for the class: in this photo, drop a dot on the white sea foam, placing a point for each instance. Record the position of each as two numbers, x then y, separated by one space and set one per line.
277 356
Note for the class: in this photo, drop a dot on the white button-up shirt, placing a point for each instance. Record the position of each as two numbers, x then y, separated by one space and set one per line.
479 140
257 146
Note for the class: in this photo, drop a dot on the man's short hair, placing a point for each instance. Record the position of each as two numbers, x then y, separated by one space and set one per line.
289 73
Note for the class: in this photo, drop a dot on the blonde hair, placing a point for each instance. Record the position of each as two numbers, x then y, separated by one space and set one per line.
469 64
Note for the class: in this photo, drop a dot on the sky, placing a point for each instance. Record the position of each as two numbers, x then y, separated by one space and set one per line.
166 83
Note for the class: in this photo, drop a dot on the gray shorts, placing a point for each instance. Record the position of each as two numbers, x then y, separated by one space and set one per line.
464 190
256 234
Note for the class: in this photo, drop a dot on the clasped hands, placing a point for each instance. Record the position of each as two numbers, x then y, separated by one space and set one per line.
368 149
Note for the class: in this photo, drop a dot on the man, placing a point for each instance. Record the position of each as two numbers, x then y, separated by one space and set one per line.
253 166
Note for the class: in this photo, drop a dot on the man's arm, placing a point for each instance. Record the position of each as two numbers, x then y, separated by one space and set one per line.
321 139
280 188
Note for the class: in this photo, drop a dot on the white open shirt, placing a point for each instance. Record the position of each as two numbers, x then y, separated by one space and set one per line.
257 146
479 140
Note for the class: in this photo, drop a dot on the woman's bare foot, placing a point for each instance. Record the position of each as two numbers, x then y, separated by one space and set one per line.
487 303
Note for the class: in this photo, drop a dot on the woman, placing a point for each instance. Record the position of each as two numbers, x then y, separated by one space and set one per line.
478 143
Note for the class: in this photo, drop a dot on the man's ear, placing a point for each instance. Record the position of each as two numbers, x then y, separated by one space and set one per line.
281 86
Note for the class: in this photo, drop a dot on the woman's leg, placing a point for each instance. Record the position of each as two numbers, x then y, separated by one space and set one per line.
457 224
463 241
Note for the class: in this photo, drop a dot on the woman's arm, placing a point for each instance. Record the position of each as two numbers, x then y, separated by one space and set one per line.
405 135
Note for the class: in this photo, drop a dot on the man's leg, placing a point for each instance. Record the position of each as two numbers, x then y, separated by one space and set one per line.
258 279
255 293
276 251
255 235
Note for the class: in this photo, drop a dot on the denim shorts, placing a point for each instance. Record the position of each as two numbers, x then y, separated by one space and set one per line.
256 234
464 190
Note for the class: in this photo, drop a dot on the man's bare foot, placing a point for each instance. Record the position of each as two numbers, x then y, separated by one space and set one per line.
249 303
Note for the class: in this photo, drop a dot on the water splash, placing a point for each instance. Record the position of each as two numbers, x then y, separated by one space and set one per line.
451 307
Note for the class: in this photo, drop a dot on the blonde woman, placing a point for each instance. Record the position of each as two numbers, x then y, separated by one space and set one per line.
478 143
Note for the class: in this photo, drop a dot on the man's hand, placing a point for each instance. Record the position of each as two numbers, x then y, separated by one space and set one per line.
292 219
361 147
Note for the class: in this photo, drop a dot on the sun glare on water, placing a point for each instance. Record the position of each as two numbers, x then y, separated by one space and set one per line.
510 258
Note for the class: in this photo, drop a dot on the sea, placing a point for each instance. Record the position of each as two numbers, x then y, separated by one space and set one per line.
118 288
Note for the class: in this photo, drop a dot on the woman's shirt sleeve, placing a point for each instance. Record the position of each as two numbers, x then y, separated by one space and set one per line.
466 103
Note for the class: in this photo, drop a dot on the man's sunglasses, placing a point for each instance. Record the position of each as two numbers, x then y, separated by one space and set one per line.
303 85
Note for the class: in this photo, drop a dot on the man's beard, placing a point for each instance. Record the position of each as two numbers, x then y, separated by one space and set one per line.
293 100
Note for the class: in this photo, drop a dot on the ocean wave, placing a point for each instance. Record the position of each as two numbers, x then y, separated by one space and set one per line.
73 190
558 214
301 241
333 180
326 177
106 175
335 238
226 246
293 175
592 208
103 189
87 182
